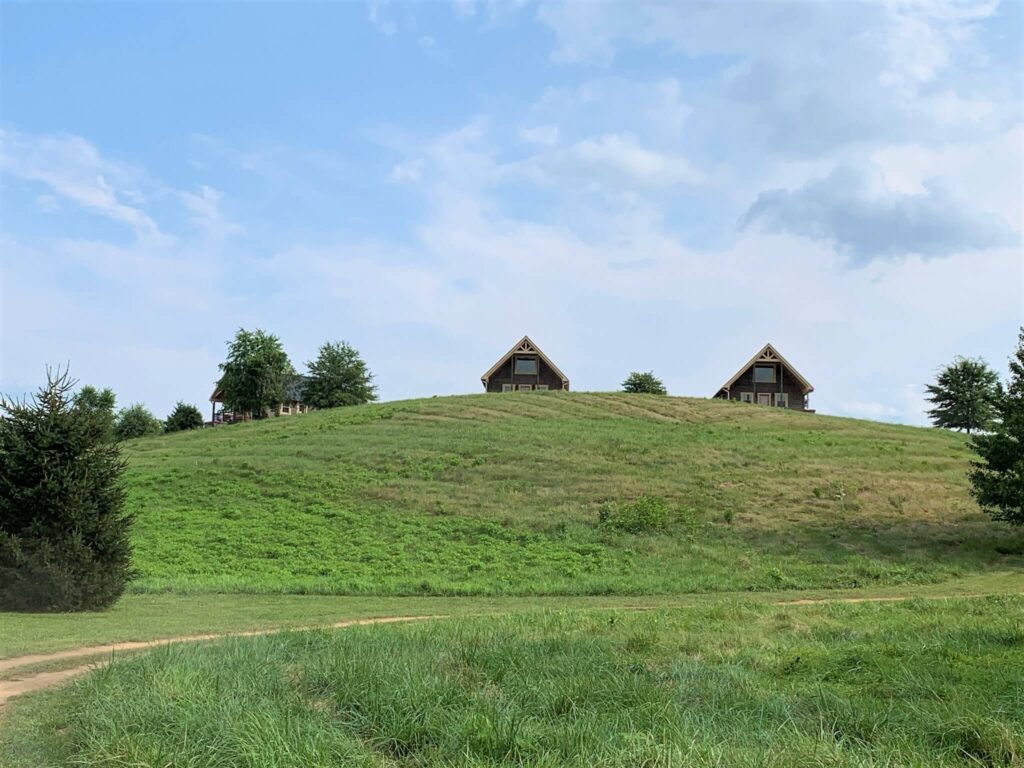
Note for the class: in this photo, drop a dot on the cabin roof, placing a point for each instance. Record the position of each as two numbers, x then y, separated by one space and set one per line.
769 354
292 392
524 346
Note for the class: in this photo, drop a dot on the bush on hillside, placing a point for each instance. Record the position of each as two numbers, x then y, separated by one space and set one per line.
644 383
101 403
64 542
184 416
645 514
257 373
136 421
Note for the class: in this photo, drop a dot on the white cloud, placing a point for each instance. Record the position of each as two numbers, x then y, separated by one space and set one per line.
72 168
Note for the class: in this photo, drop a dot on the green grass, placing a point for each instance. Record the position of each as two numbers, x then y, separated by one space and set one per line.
153 617
501 495
727 683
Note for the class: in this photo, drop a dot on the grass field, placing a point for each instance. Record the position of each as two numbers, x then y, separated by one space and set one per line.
729 683
500 495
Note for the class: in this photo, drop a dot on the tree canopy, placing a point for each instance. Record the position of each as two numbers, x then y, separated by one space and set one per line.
64 541
256 374
964 395
136 421
101 403
997 477
338 377
644 383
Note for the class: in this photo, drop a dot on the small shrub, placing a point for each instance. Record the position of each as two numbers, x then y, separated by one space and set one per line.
647 513
644 383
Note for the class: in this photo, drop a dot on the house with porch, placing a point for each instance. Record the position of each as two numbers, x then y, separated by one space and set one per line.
291 404
768 379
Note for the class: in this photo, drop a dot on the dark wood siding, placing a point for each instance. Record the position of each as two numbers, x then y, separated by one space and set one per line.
504 375
784 382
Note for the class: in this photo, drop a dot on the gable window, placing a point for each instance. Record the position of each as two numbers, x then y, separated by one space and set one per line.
782 399
747 397
764 374
526 365
506 387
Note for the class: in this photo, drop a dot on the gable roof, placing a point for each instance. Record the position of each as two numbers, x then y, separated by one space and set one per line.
769 354
524 346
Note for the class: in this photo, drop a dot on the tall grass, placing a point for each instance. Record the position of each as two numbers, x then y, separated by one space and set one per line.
730 684
502 495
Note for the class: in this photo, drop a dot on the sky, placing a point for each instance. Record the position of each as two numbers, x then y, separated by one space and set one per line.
660 186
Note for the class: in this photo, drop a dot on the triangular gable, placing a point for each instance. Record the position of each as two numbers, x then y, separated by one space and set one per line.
769 354
525 347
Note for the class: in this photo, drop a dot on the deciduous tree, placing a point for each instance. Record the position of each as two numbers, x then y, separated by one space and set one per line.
136 421
646 383
964 395
338 376
256 373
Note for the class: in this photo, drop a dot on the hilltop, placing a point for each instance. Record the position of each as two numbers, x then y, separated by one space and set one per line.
501 494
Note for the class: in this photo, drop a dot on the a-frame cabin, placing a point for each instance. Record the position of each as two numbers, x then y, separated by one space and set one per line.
524 368
768 379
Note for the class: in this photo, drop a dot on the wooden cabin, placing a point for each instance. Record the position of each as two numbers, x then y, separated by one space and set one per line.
524 368
768 379
292 404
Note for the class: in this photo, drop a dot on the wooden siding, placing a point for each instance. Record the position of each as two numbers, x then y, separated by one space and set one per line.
784 382
504 375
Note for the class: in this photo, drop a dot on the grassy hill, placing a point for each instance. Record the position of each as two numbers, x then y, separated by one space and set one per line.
502 495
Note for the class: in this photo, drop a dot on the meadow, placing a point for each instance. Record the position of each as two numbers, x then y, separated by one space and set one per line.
503 495
729 683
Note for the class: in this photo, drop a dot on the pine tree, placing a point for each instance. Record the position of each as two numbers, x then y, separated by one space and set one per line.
964 395
645 383
997 478
184 416
338 377
64 542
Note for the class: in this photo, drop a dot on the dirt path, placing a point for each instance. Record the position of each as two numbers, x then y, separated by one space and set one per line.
36 681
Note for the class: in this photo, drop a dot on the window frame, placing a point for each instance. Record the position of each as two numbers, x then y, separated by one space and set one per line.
541 388
747 397
769 367
782 399
526 358
507 388
524 387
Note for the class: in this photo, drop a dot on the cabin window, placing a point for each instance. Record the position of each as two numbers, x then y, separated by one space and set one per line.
747 397
782 399
542 387
506 387
286 410
764 374
526 366
525 387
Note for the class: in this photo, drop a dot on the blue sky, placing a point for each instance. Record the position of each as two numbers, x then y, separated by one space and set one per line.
660 186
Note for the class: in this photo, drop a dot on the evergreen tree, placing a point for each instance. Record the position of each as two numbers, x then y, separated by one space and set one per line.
964 395
338 377
136 421
64 542
256 374
997 478
645 383
184 416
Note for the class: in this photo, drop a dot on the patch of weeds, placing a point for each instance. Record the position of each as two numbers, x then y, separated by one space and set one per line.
644 515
